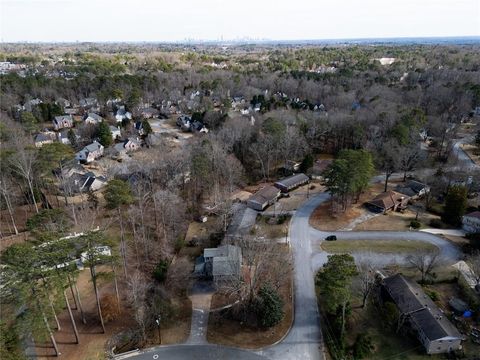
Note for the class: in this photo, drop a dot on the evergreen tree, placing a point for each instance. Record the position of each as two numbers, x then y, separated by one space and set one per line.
269 306
455 205
104 134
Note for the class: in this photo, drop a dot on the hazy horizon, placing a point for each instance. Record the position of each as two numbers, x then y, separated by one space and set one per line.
214 20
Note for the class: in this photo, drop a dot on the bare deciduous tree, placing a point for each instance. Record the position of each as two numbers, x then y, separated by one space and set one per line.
425 262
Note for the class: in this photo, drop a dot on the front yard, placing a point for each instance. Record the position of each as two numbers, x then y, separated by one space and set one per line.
376 246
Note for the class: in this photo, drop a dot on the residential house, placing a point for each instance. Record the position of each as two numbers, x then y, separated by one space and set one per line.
264 197
471 222
389 200
62 122
184 122
122 114
92 118
292 182
90 152
46 137
126 146
149 112
115 132
413 189
86 182
222 263
62 136
243 220
88 102
64 103
198 126
138 126
416 310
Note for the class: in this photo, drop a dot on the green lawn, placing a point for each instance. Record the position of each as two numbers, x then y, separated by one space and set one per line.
377 246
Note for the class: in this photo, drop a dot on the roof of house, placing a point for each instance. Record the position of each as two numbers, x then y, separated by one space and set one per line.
226 259
265 194
44 137
94 116
93 147
63 117
293 180
113 128
242 221
411 188
411 299
387 200
475 214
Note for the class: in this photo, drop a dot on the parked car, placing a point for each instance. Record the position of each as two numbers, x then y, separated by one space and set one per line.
331 238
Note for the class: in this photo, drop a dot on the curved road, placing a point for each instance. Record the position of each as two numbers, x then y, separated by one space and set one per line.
304 340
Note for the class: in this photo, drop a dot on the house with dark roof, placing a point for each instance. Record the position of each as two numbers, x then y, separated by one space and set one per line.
126 146
417 311
264 197
86 182
46 137
413 189
292 182
471 222
389 200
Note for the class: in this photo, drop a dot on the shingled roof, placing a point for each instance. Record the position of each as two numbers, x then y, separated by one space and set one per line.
411 300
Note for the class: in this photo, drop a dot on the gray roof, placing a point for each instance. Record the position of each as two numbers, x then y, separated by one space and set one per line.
293 180
227 260
265 194
94 116
411 188
410 299
63 117
243 220
92 147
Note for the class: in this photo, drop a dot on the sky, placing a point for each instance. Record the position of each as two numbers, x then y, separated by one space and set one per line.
179 20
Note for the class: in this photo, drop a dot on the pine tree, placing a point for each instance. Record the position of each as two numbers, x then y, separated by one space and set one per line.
104 134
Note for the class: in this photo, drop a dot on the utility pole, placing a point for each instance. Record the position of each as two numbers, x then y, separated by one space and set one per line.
157 320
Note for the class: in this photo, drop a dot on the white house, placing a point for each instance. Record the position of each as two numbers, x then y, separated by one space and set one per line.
471 222
92 118
115 132
90 152
122 114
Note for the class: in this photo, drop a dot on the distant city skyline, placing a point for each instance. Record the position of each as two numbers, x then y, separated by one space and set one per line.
214 20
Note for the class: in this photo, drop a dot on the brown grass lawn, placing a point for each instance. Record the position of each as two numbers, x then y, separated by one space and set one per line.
396 221
376 246
229 332
323 219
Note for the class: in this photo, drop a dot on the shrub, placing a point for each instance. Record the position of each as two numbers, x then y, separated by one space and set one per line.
110 307
282 218
433 295
160 271
415 224
363 346
179 244
437 223
269 306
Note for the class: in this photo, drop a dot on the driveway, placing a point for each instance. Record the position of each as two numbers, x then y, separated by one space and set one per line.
304 340
201 297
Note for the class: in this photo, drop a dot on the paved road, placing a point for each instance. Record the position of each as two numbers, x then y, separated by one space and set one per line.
201 298
304 341
463 160
191 352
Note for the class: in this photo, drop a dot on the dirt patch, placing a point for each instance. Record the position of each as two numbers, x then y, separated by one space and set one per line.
323 218
225 331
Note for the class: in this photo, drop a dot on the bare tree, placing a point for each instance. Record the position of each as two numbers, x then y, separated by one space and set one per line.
22 162
425 262
366 276
138 287
473 262
6 188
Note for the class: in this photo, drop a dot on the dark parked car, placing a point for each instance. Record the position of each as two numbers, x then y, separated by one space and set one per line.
331 238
